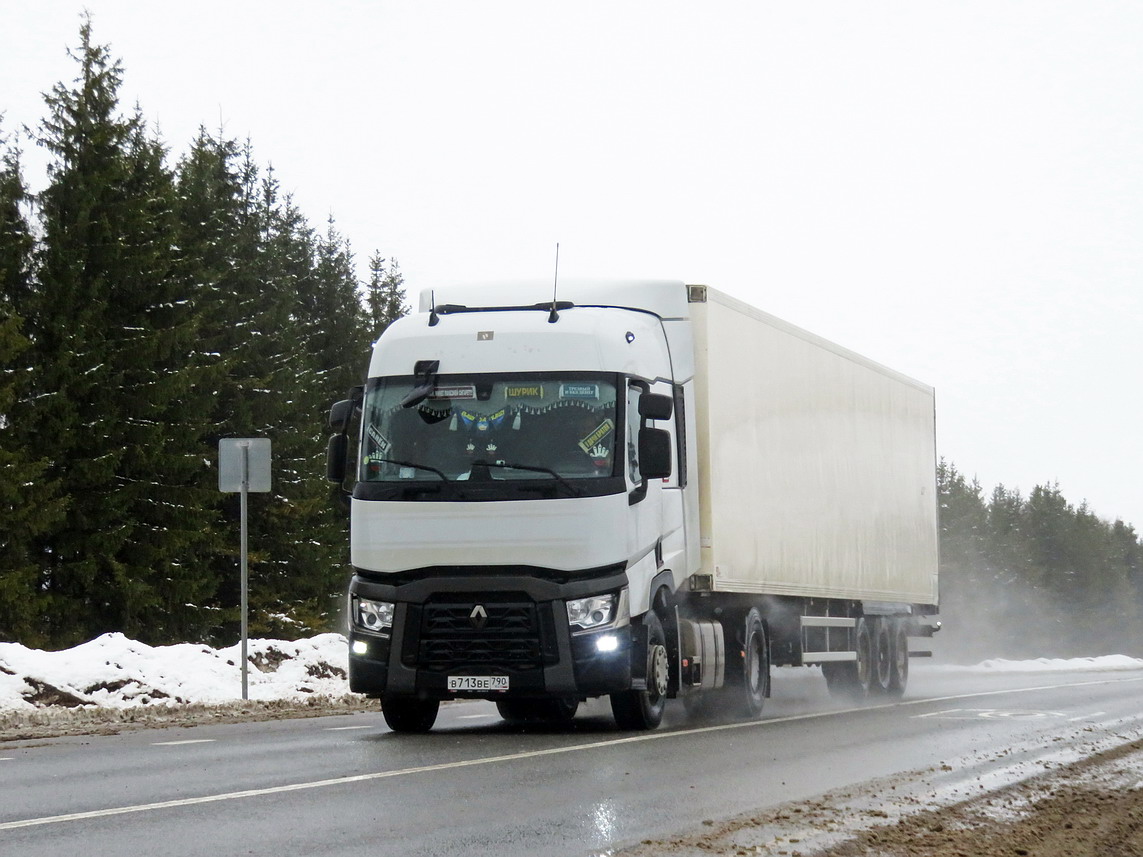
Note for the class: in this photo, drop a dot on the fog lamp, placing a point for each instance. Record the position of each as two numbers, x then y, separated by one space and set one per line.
606 643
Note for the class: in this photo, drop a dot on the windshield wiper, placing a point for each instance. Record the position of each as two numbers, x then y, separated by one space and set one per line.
412 464
534 468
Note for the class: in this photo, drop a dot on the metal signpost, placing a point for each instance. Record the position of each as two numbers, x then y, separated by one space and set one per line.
244 466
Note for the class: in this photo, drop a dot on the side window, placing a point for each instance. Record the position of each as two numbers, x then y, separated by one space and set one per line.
633 394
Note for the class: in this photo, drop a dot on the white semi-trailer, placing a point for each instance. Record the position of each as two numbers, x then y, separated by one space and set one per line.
645 490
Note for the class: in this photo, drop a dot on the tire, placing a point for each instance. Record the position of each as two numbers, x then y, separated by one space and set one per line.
865 659
752 678
900 672
643 709
409 714
882 673
850 680
559 711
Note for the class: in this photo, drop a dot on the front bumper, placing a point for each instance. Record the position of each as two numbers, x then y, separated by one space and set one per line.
524 635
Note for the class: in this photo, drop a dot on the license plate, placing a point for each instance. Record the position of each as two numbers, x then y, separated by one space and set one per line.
477 682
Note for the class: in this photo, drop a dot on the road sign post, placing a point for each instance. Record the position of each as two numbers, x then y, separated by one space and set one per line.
244 466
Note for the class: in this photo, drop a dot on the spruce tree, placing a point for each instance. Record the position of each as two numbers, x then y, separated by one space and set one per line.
384 294
292 553
222 231
29 501
284 314
119 405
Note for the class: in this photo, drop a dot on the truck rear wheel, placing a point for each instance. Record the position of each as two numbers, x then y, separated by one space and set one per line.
409 714
643 709
754 679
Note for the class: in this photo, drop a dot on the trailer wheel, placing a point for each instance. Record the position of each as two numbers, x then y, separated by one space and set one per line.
556 711
643 709
882 677
850 680
900 671
865 654
409 714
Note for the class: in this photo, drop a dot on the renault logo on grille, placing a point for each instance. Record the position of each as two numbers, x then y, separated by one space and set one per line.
478 617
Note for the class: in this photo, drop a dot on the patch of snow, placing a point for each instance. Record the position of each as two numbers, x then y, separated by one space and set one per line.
114 671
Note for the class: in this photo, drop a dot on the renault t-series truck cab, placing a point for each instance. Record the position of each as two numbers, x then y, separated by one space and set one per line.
644 490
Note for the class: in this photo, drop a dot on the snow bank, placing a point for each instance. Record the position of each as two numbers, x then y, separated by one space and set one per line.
113 671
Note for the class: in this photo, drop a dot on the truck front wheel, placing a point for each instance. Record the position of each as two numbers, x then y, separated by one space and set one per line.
643 709
409 714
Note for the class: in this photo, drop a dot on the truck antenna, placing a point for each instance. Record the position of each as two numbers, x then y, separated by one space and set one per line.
433 317
553 316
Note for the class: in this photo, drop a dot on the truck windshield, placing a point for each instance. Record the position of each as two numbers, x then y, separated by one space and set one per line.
534 427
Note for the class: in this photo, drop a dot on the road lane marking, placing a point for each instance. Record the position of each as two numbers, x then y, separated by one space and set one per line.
512 757
347 728
994 714
180 743
476 716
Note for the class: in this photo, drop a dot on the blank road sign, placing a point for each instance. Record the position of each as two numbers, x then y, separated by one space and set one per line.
230 458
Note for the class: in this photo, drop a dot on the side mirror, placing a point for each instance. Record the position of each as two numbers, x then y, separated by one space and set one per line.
335 457
340 414
655 451
654 406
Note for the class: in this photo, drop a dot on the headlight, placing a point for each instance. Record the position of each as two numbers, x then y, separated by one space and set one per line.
375 616
598 611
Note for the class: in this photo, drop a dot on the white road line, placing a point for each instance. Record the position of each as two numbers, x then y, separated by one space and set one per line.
347 728
510 757
476 717
180 743
1087 716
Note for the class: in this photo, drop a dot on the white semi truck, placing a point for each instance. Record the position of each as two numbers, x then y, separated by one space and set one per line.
644 490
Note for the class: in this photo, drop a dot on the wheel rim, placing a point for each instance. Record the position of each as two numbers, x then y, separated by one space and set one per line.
658 672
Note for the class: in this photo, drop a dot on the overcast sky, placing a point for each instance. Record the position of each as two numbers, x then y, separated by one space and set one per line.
954 189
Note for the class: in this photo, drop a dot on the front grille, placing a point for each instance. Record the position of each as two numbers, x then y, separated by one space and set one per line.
508 635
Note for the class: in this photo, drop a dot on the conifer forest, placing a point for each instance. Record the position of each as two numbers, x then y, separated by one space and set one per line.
149 309
153 303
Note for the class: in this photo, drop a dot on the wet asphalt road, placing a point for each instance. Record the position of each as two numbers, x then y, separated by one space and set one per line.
346 786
